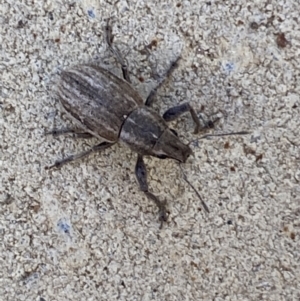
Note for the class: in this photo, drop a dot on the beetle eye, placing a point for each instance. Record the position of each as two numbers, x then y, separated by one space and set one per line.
174 132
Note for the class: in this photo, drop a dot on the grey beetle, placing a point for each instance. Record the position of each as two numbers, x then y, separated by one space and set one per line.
107 107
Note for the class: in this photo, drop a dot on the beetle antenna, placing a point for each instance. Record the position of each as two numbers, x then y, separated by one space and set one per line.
220 135
197 193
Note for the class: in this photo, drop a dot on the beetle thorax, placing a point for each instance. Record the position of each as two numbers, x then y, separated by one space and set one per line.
146 133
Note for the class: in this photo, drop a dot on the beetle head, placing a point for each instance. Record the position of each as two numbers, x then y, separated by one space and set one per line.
169 146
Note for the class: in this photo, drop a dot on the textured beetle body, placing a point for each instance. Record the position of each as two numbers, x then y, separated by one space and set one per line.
107 107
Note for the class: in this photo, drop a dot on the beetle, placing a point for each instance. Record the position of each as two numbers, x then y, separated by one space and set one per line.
109 108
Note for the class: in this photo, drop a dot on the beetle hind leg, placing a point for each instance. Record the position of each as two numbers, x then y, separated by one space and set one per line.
141 175
96 148
66 131
115 51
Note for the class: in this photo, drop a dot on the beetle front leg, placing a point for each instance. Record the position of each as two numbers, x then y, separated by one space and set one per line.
96 148
173 113
141 175
153 92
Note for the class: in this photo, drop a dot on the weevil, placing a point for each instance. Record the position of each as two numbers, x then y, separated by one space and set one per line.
107 107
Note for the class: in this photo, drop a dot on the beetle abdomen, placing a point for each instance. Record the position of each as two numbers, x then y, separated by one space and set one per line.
97 99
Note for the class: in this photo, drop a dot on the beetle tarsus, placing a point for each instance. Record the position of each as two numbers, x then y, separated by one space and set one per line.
108 31
163 216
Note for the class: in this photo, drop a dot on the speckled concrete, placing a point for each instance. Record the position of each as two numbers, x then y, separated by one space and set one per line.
85 231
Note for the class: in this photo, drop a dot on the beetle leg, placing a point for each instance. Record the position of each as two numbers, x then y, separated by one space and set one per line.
153 92
74 133
173 113
141 175
115 51
95 148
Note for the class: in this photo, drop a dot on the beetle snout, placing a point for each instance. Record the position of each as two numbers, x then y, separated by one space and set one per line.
170 146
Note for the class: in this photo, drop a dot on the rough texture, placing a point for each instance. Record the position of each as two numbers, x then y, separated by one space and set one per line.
85 232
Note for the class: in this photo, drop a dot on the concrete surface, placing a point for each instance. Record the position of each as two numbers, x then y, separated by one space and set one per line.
85 231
